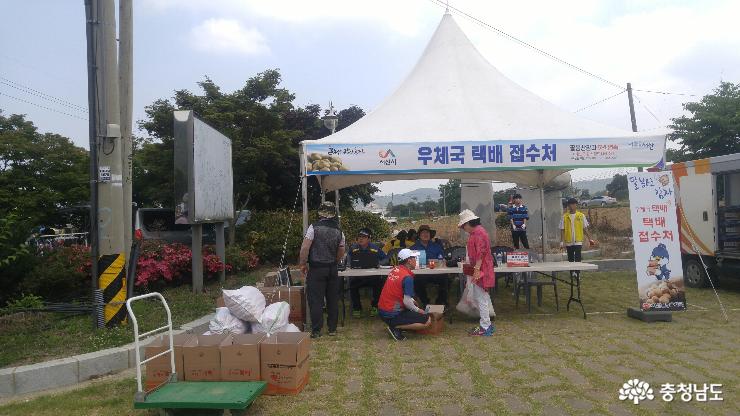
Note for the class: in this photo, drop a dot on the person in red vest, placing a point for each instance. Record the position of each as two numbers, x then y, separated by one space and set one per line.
396 306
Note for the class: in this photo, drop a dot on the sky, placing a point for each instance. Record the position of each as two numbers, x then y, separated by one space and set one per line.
358 52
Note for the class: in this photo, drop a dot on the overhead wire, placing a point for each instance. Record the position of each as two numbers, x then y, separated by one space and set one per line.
665 92
42 95
41 106
601 101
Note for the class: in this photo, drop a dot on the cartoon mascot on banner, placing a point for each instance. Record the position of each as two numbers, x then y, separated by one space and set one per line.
658 263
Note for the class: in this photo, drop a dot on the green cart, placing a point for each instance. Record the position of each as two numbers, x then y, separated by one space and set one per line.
188 397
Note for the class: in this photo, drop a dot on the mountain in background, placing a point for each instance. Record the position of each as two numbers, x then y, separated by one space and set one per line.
594 185
421 195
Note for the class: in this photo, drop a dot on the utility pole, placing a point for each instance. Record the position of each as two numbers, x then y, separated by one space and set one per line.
105 154
632 112
444 200
125 88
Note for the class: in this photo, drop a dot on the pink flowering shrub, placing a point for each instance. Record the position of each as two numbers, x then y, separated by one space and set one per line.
162 264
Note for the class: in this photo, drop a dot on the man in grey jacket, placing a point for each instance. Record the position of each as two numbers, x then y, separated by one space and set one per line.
323 247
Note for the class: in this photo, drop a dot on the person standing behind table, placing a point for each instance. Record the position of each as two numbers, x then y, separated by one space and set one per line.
574 226
483 278
518 217
396 306
434 251
322 248
363 245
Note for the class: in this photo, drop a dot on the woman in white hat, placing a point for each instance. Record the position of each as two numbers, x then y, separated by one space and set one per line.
479 254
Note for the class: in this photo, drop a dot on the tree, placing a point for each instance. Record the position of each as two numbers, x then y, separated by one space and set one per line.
450 196
39 173
713 129
265 128
617 188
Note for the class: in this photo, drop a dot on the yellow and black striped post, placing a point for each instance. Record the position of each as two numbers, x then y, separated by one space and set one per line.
112 282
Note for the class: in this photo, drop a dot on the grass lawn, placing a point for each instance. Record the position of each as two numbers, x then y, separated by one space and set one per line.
56 335
542 364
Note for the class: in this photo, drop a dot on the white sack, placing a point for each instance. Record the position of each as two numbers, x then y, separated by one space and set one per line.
291 328
246 303
226 323
275 317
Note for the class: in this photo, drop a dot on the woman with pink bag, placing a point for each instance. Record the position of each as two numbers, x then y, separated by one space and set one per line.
479 255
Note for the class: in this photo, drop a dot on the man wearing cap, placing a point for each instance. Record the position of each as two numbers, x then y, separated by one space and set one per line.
433 251
363 245
322 248
574 226
396 306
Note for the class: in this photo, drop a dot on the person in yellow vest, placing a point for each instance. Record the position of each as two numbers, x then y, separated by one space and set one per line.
574 226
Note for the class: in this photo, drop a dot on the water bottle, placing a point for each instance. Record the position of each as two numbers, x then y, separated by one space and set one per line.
499 258
422 259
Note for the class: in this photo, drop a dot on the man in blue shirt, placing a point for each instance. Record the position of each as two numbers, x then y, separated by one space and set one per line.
364 245
518 217
434 251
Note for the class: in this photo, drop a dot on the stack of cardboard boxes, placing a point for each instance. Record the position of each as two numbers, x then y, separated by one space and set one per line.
280 360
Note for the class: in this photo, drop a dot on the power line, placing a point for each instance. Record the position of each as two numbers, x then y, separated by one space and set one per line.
41 106
647 109
666 92
526 44
600 101
37 93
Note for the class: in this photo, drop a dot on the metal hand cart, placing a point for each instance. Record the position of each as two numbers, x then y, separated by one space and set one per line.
187 397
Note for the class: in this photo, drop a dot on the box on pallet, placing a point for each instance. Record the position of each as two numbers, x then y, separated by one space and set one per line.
285 363
158 370
240 357
202 357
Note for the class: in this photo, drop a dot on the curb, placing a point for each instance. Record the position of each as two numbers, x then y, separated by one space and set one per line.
79 368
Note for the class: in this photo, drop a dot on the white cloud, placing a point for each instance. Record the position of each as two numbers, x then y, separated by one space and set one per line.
227 36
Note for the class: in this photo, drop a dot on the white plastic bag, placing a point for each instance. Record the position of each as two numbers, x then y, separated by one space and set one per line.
258 328
275 317
291 328
224 322
468 305
246 303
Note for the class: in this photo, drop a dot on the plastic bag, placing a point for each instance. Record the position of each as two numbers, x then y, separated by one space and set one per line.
291 328
224 322
246 303
275 317
468 305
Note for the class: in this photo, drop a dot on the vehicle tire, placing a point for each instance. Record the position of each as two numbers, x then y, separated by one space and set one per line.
693 273
603 204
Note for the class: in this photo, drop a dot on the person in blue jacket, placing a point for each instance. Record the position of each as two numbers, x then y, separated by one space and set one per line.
363 244
434 251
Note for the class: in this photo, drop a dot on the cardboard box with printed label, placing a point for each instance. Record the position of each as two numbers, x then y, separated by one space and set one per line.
294 295
202 358
240 357
285 362
158 370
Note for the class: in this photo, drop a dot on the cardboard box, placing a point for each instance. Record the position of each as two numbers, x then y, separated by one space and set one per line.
438 323
294 295
158 370
220 302
240 357
285 362
202 357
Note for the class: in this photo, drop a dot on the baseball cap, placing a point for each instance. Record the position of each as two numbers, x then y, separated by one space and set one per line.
572 201
365 232
406 253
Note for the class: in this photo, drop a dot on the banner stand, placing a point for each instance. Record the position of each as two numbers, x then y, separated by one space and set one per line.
650 316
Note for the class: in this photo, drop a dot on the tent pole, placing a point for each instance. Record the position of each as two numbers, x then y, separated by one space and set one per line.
304 188
542 213
336 202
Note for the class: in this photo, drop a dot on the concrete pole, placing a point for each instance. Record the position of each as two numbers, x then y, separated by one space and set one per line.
125 80
197 253
633 119
336 205
221 249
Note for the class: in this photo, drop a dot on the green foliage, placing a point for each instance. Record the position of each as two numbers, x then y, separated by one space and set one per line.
24 302
451 192
241 259
15 258
713 129
617 188
62 274
10 249
265 128
39 173
264 234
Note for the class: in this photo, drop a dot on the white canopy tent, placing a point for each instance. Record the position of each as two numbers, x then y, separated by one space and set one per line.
457 117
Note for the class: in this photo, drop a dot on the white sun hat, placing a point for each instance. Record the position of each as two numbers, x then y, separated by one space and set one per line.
406 253
465 216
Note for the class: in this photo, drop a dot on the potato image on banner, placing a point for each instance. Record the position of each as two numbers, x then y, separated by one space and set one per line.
318 162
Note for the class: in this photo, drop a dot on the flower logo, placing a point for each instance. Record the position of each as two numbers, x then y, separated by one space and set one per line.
636 390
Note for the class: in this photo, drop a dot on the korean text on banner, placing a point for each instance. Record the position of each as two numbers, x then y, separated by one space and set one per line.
656 241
